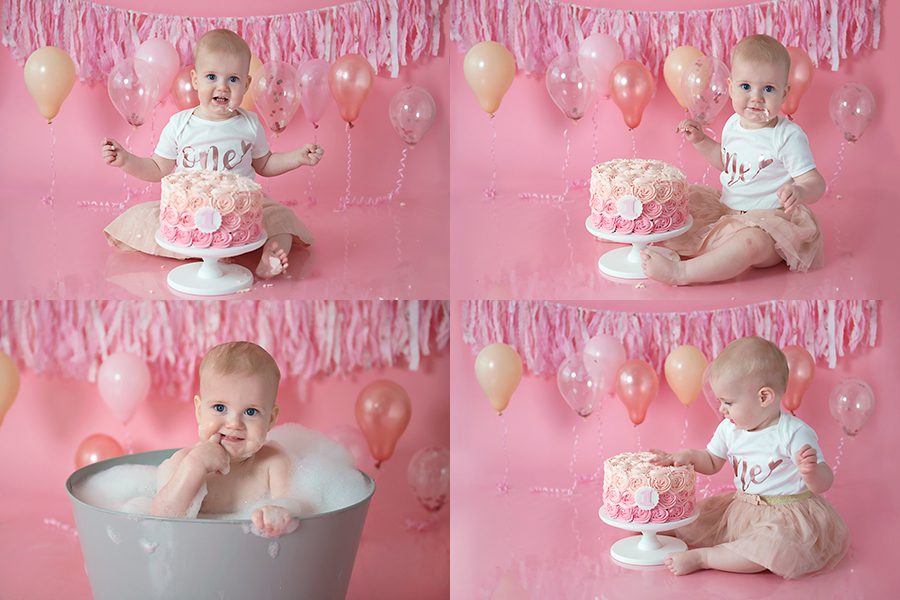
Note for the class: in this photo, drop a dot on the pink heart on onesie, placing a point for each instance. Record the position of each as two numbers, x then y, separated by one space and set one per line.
765 163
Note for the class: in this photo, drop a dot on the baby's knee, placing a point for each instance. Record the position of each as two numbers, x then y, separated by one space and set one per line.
756 242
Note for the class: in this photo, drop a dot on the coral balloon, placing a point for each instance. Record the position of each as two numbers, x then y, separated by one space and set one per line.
428 476
576 386
684 369
183 92
315 94
489 69
636 385
352 439
412 111
276 94
704 88
9 383
95 448
597 55
799 79
851 108
133 87
123 380
851 401
498 369
631 86
163 59
383 411
603 355
801 368
249 100
49 77
350 79
678 63
569 87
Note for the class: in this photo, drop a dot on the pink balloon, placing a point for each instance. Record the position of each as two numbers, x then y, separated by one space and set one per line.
801 369
183 92
123 381
603 355
569 86
163 58
383 411
133 87
576 385
851 401
597 55
412 112
704 88
350 79
851 108
631 87
95 448
351 438
428 476
314 92
636 385
277 96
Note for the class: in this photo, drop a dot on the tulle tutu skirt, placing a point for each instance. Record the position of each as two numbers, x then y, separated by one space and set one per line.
791 540
135 229
797 237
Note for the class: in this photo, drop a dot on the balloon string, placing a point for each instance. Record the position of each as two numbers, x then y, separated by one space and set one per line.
637 431
837 169
837 455
594 146
633 144
556 198
64 527
384 198
680 154
491 191
50 198
558 491
598 407
420 526
684 429
129 442
503 486
310 199
346 197
706 172
125 189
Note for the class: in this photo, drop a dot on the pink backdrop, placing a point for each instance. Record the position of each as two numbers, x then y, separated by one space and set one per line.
539 542
52 416
352 250
515 248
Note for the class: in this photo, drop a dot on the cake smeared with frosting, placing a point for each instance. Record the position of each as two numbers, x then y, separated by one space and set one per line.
637 491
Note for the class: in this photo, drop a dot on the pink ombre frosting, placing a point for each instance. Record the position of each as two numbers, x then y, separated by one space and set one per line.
237 199
637 491
660 187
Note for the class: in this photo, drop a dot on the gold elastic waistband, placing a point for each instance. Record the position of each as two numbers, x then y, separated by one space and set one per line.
772 500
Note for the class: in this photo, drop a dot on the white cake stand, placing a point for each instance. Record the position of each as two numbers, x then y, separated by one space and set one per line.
647 549
625 263
210 277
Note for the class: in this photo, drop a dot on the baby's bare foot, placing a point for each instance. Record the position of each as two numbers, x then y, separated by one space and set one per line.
662 265
684 563
274 261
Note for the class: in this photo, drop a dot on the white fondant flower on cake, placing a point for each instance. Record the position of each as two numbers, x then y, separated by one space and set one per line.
629 207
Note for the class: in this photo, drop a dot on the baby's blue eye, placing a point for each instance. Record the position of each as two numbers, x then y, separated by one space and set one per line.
219 407
769 89
251 412
745 87
211 77
233 79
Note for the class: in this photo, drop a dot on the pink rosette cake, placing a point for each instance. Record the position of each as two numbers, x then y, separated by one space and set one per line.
210 209
638 197
637 491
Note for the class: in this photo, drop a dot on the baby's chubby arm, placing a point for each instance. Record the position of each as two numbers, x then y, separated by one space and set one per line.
185 473
816 475
276 163
705 145
151 168
805 189
278 518
704 461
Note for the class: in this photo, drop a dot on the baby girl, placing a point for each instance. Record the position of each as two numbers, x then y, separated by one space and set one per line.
760 217
216 135
776 520
232 467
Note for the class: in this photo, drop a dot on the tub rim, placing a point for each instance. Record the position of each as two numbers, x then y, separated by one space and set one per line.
102 465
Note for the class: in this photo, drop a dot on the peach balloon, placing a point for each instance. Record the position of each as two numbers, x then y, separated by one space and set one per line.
799 79
678 62
9 383
49 77
250 96
95 448
350 79
684 369
498 369
489 69
183 92
383 411
631 85
636 385
801 368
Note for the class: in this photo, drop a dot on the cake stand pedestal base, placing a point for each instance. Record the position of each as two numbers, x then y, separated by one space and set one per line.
647 549
625 263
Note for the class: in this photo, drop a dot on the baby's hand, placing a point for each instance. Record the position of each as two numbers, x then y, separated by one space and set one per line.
311 154
113 153
211 455
273 521
692 130
789 196
806 460
665 459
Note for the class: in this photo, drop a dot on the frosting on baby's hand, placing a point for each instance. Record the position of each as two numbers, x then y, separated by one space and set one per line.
273 521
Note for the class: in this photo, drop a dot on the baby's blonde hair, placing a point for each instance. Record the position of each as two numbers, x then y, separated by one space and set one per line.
223 40
753 358
762 48
241 358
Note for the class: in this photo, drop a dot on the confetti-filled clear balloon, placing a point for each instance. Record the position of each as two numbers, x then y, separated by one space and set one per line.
576 385
277 94
133 87
412 111
704 88
851 108
569 86
428 475
851 402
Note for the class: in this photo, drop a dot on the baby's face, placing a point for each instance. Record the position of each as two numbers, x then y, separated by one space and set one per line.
239 407
757 90
739 402
221 80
